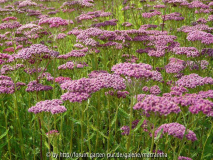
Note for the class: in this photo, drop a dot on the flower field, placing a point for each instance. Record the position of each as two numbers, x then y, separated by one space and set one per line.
106 79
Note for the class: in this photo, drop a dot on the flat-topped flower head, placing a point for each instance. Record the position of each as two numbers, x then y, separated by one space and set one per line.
35 50
140 70
204 37
26 3
193 80
53 22
202 105
176 130
35 86
175 65
75 97
156 104
155 90
10 25
52 106
7 86
188 51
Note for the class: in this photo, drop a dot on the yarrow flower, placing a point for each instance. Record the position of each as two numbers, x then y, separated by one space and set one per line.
177 130
204 37
35 50
7 86
188 51
155 90
35 86
53 106
75 96
140 70
193 80
156 104
175 65
53 22
60 80
72 65
202 105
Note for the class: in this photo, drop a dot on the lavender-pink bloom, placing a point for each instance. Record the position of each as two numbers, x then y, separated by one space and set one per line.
53 106
34 86
75 97
177 130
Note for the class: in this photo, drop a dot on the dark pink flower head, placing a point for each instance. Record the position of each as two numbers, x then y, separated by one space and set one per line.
188 51
6 58
176 130
94 74
173 16
60 80
78 4
155 90
7 86
75 96
202 105
53 22
89 33
151 14
140 70
74 53
35 50
9 19
85 85
72 65
210 18
207 51
145 89
198 4
156 104
193 80
175 65
10 25
53 106
34 86
204 37
26 3
47 76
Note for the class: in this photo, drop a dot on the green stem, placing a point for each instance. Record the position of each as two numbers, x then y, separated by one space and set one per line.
130 125
9 149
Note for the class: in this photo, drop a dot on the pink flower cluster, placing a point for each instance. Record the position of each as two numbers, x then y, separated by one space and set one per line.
7 86
35 86
53 22
156 104
53 106
204 37
35 50
72 65
175 65
177 130
193 80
